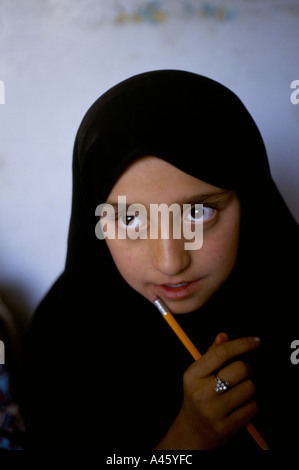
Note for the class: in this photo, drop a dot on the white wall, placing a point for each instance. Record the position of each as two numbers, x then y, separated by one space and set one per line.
58 56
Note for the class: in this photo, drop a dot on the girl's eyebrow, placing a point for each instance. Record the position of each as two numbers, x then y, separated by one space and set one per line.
204 198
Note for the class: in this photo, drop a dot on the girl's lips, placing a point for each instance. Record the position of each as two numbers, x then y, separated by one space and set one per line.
177 291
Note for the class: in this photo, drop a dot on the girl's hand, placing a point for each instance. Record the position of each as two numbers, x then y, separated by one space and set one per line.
208 418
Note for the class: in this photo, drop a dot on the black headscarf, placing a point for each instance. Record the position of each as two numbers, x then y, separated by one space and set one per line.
102 369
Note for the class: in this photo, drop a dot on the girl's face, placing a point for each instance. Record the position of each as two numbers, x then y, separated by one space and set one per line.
184 279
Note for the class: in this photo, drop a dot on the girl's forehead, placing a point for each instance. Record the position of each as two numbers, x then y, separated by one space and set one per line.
152 179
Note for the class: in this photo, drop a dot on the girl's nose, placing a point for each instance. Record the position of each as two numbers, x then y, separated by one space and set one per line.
169 256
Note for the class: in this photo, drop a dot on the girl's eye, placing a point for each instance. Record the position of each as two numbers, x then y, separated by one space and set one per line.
127 220
197 214
130 221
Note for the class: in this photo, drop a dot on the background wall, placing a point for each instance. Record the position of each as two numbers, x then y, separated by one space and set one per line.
58 56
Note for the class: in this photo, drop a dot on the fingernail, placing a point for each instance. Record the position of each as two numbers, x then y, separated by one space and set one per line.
257 340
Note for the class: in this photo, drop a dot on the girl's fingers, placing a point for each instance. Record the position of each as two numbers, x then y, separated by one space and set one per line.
220 338
236 397
240 417
218 355
235 372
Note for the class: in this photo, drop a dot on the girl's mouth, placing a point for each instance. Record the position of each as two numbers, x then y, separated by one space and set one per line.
178 291
175 286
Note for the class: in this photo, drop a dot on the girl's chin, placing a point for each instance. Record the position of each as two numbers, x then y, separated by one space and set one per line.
183 306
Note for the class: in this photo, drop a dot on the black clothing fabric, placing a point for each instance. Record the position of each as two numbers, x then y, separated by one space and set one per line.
102 370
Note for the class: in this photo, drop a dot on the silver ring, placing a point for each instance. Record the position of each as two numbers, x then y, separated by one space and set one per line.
220 385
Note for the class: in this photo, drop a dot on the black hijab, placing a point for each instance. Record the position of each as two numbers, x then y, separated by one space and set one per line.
102 369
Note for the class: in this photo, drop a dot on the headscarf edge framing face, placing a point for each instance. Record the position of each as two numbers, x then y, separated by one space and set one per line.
192 122
189 120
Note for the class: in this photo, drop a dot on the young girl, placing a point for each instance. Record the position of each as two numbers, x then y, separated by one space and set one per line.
103 370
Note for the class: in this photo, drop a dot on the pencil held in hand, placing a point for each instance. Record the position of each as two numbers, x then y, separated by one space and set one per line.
167 315
176 328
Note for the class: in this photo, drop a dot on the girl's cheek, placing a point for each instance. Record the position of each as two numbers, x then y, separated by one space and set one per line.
219 251
127 258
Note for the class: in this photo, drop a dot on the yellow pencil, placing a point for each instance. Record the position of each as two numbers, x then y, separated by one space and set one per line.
167 315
